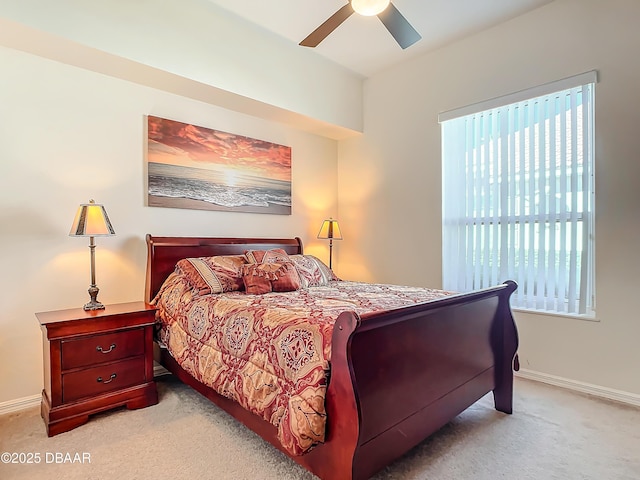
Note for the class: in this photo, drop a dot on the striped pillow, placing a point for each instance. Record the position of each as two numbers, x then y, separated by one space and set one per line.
217 274
313 272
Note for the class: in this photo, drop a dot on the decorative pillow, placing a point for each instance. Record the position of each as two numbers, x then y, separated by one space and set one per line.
262 278
218 274
266 256
313 272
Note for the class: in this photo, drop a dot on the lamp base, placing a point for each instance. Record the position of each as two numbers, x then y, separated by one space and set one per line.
93 304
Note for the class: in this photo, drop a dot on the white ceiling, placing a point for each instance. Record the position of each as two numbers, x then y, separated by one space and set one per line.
363 44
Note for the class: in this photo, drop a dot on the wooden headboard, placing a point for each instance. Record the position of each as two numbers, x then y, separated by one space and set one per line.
164 252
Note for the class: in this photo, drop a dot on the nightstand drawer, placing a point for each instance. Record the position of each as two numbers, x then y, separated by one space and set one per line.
98 349
107 378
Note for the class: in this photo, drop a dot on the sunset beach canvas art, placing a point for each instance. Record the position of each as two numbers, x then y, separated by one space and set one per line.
201 168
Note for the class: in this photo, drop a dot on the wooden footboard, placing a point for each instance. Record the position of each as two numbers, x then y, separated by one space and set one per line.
399 376
396 377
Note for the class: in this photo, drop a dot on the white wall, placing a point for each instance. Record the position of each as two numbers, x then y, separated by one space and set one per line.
394 212
68 135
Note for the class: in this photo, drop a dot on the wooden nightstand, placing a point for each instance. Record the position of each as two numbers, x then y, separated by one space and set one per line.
94 361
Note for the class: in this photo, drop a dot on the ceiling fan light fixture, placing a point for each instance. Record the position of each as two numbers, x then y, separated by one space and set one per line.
369 8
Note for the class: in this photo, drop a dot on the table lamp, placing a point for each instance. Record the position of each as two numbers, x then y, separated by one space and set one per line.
92 221
330 230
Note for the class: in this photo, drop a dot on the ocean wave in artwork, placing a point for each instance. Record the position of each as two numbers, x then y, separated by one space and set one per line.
213 187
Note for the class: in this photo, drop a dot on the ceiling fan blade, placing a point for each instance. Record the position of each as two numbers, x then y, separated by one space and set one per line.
399 27
328 26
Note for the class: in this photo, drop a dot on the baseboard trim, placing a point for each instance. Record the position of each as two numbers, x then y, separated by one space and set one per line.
595 390
19 404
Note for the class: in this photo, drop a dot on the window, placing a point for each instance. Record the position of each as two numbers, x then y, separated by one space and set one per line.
518 196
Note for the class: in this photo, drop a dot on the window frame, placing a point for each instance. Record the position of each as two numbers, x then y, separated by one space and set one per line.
585 219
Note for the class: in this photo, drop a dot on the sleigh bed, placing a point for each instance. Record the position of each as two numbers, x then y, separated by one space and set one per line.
394 376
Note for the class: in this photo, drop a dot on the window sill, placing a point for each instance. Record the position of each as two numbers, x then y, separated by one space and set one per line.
573 316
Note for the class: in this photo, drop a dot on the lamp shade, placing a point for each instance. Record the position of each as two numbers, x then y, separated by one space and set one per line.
91 221
369 7
330 229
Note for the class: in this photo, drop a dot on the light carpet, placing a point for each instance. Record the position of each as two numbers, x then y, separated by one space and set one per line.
553 434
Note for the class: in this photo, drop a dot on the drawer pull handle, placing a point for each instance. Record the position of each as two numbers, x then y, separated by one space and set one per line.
99 379
99 348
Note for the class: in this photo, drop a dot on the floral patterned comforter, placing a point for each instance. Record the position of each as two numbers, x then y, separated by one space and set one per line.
270 353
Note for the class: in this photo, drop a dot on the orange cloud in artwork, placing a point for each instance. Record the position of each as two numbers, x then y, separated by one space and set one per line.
191 146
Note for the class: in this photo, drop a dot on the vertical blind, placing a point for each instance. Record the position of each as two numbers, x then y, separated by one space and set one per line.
518 199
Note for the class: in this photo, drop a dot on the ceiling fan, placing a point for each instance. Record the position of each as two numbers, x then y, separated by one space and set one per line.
397 25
